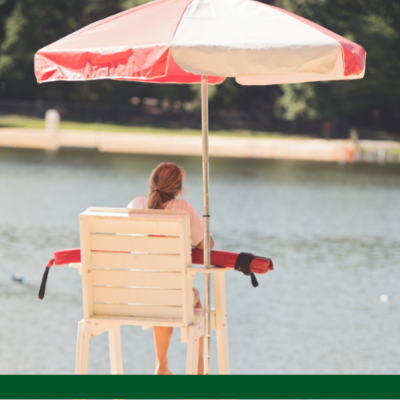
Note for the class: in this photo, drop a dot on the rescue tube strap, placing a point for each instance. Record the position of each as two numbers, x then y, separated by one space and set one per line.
42 289
242 264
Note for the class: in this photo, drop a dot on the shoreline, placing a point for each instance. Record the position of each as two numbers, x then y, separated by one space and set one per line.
190 145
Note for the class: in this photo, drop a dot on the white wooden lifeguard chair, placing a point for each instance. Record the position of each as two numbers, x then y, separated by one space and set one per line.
136 269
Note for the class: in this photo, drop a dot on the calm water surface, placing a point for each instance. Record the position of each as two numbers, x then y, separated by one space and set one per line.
333 233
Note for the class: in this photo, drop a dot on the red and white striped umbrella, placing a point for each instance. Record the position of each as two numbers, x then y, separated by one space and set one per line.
177 41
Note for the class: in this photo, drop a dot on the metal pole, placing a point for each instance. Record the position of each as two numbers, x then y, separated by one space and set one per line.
206 217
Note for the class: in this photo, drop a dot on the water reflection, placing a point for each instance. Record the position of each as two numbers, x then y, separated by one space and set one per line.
332 231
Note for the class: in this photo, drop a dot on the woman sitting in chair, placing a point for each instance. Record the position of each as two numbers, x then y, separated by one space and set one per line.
166 183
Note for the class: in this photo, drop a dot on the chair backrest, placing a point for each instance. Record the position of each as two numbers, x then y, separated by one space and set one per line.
134 263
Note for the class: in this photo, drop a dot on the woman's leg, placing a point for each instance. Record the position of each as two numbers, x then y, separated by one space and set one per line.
162 337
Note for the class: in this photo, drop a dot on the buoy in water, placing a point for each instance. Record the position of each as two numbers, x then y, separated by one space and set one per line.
385 298
17 277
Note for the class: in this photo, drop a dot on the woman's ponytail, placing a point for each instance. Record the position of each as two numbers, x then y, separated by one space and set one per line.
166 180
155 201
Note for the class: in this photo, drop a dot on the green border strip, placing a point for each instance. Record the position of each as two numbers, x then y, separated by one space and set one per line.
195 387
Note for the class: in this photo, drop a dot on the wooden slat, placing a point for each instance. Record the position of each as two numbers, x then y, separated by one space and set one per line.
187 314
136 261
138 279
136 244
87 293
221 324
133 226
121 320
153 297
137 311
99 211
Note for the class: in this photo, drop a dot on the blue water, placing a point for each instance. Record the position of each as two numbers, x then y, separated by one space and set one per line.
333 233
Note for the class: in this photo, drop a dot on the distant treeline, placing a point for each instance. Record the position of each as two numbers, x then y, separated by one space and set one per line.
373 102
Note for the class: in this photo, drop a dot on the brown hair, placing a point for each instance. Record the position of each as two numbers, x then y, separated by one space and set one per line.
166 180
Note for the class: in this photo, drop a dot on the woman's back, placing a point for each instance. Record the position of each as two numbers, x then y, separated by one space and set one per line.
196 223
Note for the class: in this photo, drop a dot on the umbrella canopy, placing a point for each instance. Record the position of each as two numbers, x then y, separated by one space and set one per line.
177 41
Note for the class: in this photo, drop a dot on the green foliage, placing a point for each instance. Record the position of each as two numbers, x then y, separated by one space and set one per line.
125 4
28 25
374 24
295 102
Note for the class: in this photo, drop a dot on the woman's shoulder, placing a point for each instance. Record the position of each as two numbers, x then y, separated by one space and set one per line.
181 204
138 202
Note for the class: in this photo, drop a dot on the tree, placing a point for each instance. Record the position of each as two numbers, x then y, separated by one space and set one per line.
28 25
376 26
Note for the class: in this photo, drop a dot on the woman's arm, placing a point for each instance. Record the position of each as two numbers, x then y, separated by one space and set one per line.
201 244
196 228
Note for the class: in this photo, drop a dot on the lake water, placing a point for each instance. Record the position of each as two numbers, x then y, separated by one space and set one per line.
333 233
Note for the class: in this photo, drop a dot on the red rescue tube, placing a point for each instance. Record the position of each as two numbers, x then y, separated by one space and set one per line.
219 258
227 259
67 256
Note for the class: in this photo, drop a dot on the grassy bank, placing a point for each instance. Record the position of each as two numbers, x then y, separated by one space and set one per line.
17 121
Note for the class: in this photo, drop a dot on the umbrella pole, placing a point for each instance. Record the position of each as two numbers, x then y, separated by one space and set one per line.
206 217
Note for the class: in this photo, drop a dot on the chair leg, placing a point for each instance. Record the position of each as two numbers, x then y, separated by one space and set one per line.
114 340
82 348
221 324
192 357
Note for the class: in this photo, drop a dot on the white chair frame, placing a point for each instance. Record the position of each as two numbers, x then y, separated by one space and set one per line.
121 247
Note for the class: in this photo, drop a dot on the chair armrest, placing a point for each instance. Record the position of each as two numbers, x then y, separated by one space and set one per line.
78 266
191 272
212 270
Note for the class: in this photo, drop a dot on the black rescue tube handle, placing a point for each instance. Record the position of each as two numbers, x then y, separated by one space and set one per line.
42 289
242 264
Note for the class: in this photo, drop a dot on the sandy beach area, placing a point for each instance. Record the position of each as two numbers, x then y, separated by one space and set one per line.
220 146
